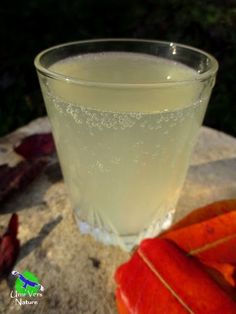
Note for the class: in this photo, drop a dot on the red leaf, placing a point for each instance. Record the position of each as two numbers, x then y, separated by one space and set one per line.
122 309
18 177
12 229
35 146
9 247
160 278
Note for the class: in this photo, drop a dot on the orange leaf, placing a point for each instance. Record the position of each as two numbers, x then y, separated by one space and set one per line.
224 252
206 212
227 270
212 241
209 234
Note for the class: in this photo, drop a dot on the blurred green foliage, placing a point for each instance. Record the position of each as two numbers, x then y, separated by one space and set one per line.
26 27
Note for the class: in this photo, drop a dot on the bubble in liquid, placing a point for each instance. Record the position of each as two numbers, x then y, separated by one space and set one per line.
99 165
143 124
91 133
121 121
155 155
115 160
137 144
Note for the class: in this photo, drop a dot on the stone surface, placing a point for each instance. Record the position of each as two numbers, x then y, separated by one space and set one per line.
76 271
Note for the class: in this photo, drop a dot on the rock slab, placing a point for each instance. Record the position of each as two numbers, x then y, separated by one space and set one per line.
76 271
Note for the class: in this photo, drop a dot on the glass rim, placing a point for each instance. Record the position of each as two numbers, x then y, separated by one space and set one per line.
62 77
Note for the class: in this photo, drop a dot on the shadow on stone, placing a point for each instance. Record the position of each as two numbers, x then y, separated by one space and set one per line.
54 173
219 172
35 242
206 183
33 194
32 244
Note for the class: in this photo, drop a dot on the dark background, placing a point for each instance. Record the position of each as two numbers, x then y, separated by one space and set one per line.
26 27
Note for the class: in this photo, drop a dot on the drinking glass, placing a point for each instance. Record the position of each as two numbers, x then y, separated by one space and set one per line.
124 129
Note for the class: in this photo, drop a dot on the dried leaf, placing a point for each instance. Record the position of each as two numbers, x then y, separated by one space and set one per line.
36 149
9 247
16 178
35 146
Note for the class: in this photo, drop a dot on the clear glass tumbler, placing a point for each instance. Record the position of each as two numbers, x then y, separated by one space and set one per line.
125 115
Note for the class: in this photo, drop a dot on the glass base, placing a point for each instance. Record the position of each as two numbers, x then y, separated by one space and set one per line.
126 242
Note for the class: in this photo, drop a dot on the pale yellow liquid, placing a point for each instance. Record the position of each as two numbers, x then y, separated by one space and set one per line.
124 150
